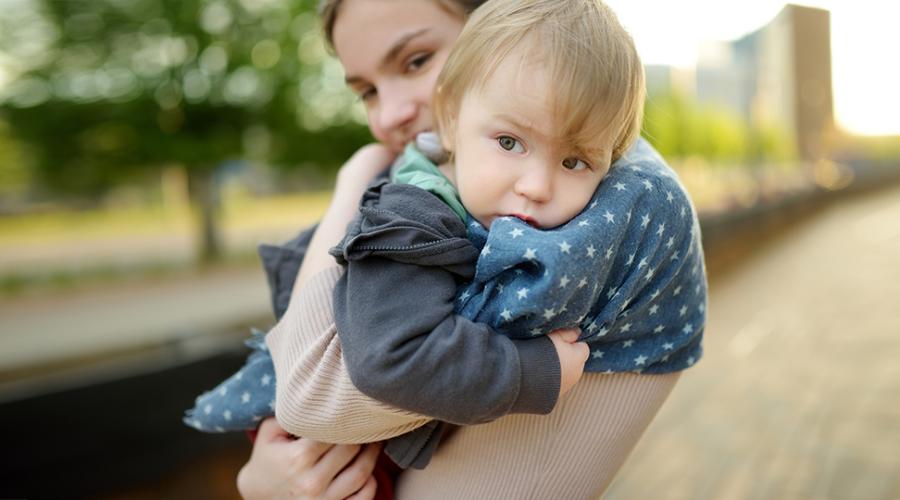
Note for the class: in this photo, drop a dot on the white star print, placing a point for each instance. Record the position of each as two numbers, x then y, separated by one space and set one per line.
506 314
691 360
245 398
464 296
222 391
674 256
593 204
609 216
584 223
642 263
626 327
640 360
603 331
650 273
582 283
530 254
670 242
682 311
610 293
564 281
669 197
658 329
628 343
609 253
227 415
564 247
486 251
590 251
654 295
676 291
668 346
688 329
516 232
239 376
645 220
619 186
630 259
653 309
597 354
549 313
522 293
661 229
207 409
535 332
265 379
648 185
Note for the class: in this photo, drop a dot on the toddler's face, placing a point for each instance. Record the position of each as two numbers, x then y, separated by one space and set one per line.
509 159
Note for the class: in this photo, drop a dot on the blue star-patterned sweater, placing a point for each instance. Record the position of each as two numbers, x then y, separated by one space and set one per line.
628 270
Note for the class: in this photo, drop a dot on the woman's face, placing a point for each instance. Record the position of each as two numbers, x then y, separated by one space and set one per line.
392 52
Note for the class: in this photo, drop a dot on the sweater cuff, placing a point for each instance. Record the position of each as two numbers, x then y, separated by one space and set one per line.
540 376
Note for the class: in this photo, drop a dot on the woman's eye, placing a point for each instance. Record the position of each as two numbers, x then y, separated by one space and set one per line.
573 163
418 61
367 94
510 144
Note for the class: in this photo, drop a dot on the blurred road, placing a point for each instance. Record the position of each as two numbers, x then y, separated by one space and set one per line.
48 329
798 395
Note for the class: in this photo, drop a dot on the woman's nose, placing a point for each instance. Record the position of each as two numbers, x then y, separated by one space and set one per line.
397 111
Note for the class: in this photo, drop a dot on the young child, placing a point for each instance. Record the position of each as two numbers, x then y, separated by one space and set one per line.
535 105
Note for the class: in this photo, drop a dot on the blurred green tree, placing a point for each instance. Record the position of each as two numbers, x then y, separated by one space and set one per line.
104 91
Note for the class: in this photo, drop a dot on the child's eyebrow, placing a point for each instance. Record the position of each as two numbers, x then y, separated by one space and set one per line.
512 120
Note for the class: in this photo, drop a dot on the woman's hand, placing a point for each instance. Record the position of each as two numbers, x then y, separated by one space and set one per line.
368 161
283 467
572 356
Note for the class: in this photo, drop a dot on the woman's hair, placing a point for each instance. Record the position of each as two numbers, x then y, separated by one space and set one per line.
328 12
595 74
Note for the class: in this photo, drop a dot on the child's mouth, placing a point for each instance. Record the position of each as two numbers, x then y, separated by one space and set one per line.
531 221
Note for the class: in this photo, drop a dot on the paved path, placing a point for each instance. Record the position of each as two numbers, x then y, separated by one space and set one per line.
798 396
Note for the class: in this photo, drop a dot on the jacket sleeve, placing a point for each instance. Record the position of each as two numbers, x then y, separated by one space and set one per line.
314 395
405 346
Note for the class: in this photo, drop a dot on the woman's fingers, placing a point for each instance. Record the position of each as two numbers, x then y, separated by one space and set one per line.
355 478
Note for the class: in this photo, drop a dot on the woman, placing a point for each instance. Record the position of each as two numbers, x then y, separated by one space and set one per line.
392 52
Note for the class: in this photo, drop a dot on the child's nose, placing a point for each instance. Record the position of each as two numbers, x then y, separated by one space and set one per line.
536 184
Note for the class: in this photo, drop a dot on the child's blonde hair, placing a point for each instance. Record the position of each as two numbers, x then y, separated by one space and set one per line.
594 69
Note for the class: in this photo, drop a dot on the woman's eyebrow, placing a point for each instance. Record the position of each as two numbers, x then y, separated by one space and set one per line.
399 45
391 54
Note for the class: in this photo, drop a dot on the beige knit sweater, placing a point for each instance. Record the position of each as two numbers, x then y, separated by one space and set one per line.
314 395
572 453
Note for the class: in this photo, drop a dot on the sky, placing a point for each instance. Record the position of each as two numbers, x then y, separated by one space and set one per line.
865 38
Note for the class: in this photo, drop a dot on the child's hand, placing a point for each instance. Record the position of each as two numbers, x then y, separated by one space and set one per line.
572 356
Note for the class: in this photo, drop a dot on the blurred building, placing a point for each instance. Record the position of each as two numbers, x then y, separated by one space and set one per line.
779 75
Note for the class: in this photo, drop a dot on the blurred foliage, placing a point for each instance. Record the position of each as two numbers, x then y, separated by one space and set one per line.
14 173
679 127
107 91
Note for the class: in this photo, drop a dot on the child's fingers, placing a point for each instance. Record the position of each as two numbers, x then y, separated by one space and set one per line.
569 335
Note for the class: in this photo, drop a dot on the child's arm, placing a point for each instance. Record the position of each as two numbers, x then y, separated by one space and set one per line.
402 341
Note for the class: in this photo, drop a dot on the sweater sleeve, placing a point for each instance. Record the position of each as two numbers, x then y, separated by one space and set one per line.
404 345
314 395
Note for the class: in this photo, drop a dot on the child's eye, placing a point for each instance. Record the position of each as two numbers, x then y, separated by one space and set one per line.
573 163
417 61
510 144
